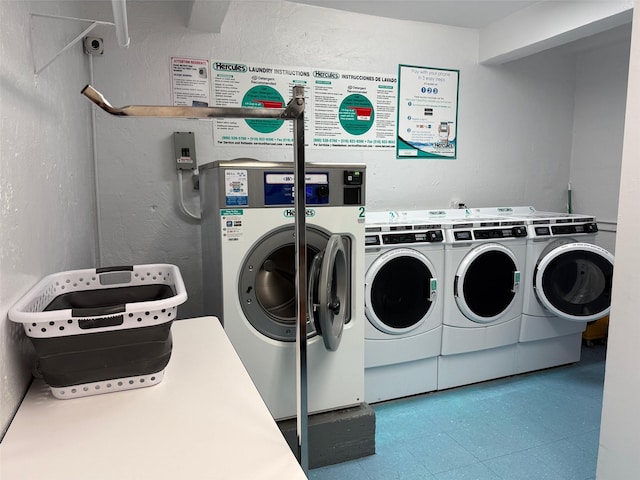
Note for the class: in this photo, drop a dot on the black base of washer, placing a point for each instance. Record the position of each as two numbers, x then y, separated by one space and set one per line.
336 436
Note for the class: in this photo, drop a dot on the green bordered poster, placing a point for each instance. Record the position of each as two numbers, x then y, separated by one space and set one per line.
343 109
427 112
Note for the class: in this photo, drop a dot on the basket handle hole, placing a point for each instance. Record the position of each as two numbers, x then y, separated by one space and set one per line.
114 278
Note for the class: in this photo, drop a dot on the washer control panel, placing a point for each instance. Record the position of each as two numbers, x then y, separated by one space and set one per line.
501 231
515 232
247 183
412 237
279 188
404 238
565 229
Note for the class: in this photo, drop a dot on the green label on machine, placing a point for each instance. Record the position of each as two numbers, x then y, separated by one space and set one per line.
231 212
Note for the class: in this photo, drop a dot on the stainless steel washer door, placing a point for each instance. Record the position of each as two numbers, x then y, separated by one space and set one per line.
267 285
329 292
573 280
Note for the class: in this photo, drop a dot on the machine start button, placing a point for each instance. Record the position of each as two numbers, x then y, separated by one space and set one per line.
353 177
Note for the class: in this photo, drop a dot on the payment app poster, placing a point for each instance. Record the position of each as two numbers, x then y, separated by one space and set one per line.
427 112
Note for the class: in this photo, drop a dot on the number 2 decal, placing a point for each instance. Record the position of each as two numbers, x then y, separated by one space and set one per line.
361 215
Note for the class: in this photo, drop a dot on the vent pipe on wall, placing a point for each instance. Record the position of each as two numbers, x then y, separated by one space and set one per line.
120 20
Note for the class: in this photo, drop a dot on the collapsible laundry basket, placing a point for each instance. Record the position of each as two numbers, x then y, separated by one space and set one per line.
102 330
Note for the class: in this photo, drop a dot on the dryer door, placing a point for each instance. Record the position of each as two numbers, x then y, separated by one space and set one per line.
573 280
486 282
400 291
329 294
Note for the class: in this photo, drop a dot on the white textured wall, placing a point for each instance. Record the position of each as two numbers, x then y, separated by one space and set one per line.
515 121
516 128
618 457
46 194
596 155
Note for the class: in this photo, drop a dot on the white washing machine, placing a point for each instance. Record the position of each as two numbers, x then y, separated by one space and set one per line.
567 284
404 264
249 276
484 259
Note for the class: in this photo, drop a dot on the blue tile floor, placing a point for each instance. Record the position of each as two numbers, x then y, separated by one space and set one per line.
538 426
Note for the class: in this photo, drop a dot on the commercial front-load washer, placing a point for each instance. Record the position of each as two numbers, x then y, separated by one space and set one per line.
484 258
249 276
567 284
404 264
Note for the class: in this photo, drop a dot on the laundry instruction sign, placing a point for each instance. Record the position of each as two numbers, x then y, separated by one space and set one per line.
345 109
353 109
245 85
427 112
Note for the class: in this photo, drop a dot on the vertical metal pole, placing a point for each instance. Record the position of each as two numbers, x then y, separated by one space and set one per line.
301 283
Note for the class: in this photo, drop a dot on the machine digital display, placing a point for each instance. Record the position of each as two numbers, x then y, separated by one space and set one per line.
279 188
464 235
371 240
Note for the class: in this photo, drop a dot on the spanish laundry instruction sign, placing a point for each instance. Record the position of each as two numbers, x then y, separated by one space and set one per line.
427 112
353 109
342 109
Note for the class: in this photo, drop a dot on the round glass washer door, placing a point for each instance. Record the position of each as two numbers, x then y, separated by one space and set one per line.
400 291
573 280
486 282
267 284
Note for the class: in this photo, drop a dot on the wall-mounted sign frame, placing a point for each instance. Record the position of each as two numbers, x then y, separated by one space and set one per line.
427 121
343 109
190 85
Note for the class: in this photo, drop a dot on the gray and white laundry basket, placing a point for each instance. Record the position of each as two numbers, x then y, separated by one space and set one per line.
102 330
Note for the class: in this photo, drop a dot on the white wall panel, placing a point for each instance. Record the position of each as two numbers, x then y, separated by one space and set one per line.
596 153
46 172
619 441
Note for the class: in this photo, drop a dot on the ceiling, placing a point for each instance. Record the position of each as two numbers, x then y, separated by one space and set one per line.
208 16
458 13
476 14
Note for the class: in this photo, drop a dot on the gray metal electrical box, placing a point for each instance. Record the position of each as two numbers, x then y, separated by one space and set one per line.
185 150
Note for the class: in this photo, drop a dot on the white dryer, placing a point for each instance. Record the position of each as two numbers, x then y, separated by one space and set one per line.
484 259
567 284
404 263
249 276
